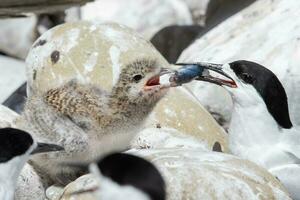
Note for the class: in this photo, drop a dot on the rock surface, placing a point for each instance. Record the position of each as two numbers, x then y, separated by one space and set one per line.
16 8
198 10
144 16
172 40
266 33
91 52
29 186
194 174
17 36
181 111
7 117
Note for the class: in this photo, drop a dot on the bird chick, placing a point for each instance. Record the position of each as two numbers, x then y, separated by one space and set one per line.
15 148
260 129
89 115
121 174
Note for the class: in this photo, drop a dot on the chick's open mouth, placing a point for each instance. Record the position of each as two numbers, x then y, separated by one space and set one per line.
152 83
157 81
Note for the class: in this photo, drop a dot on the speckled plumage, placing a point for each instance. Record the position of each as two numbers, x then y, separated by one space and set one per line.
88 120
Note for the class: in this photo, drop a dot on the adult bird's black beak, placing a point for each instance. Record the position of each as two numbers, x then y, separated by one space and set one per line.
45 147
207 77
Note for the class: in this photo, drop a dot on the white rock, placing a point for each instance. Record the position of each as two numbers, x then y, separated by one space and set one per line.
180 111
144 16
17 36
29 186
194 174
266 32
54 192
11 77
7 117
56 58
156 138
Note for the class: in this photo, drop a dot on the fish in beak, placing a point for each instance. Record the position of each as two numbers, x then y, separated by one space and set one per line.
200 71
45 147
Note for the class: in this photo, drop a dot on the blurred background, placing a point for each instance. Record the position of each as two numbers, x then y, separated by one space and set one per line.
264 31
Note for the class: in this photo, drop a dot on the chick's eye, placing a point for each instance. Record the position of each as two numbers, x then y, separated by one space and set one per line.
247 78
136 78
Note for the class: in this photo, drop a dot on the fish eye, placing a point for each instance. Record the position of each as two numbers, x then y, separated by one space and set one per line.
136 78
247 78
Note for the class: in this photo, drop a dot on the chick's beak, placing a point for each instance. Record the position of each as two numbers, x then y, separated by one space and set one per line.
45 147
155 81
205 75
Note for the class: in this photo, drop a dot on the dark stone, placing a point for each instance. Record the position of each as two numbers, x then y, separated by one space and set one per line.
172 40
55 56
39 43
217 147
34 74
16 101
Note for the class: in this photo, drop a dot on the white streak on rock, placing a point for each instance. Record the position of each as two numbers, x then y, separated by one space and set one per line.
114 53
117 37
91 62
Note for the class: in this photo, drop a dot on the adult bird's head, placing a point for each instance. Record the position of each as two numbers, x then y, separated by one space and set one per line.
17 143
15 148
251 84
121 174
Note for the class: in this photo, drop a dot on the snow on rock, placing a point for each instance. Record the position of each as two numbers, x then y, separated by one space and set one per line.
144 16
194 174
181 111
17 35
266 32
11 77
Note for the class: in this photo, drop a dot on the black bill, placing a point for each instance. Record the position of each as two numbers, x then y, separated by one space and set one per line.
227 80
45 147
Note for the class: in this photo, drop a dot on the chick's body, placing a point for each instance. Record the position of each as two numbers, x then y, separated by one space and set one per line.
89 116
